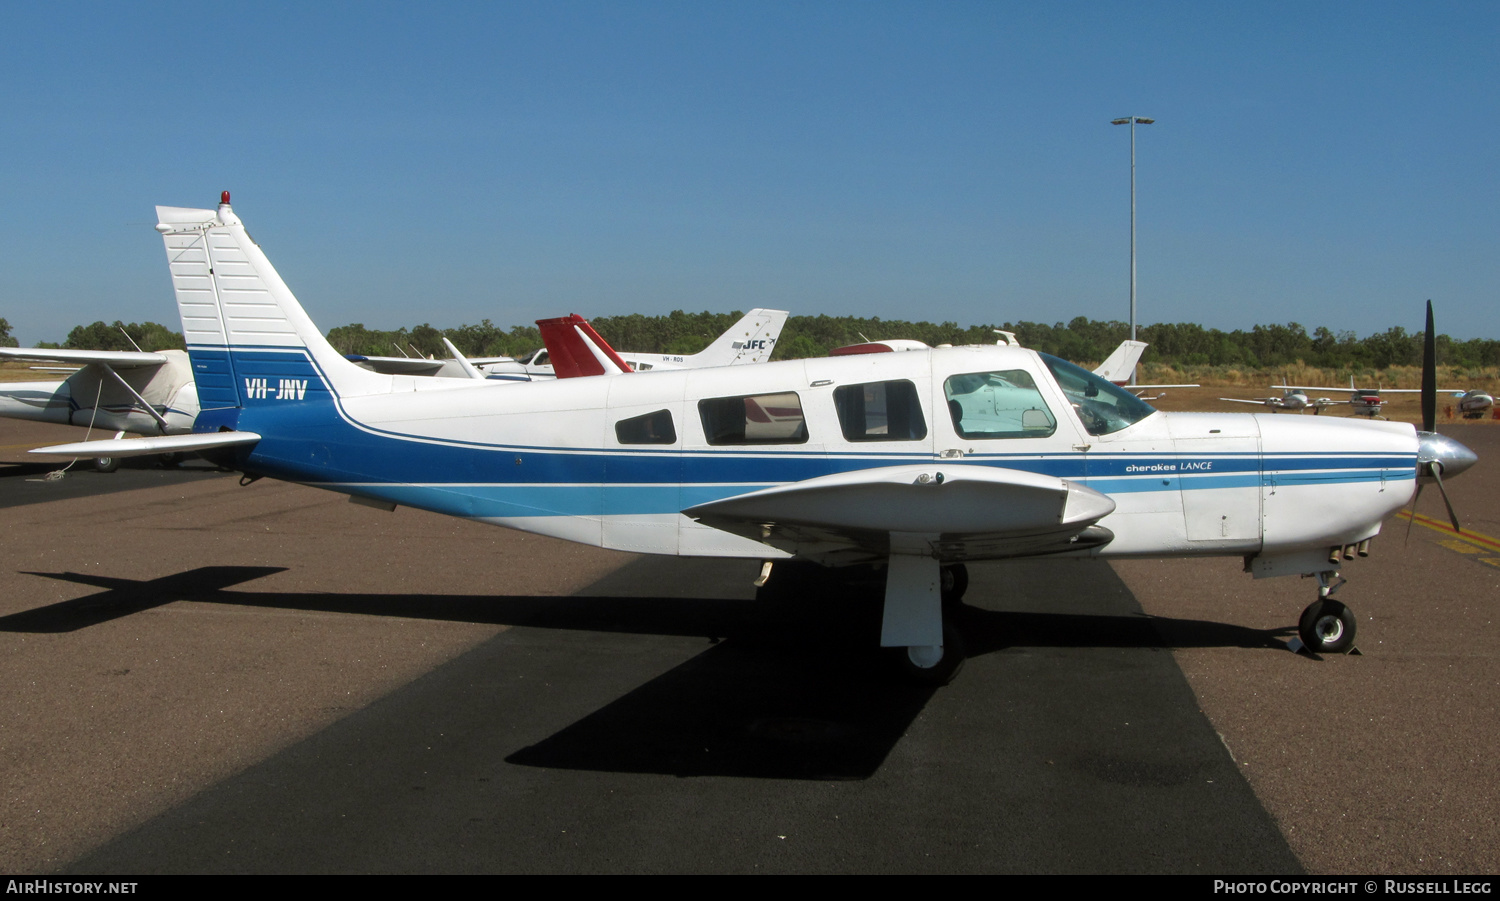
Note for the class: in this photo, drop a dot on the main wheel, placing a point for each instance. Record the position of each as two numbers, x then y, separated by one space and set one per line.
106 464
955 582
1327 627
935 666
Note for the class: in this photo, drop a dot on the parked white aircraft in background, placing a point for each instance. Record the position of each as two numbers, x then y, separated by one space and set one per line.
1120 369
1368 402
114 391
921 461
1475 402
751 340
1294 399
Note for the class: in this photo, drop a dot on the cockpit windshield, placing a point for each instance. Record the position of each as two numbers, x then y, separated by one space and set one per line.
1102 406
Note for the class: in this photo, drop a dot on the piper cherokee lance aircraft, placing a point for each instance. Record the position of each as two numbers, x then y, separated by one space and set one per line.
118 391
921 461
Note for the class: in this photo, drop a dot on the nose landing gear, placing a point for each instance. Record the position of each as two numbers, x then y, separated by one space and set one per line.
1327 626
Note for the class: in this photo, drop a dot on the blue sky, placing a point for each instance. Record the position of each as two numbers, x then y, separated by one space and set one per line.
1324 163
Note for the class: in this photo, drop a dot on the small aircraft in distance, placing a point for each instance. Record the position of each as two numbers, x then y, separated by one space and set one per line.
125 392
750 340
1475 402
1368 401
1294 399
919 462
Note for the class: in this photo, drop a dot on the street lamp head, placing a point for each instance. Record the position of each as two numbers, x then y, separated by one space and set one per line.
1128 120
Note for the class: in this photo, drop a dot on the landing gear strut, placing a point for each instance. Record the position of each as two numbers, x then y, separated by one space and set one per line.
917 588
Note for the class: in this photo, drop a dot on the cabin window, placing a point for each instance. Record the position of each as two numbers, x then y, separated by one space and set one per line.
1003 404
880 411
1102 406
651 428
757 419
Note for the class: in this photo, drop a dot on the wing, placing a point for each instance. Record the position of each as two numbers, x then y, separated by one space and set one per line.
972 512
1239 400
140 447
119 359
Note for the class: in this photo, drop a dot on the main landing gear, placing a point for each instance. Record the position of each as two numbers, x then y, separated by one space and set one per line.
1327 626
919 629
934 666
918 587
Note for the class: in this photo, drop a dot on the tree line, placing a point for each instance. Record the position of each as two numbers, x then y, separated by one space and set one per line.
1179 345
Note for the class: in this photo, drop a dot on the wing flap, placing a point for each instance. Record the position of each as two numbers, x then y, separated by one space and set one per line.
977 512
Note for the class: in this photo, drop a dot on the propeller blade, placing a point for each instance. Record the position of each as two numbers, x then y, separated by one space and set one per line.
1429 379
1411 514
1452 517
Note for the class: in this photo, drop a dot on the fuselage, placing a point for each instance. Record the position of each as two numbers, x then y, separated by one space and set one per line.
611 461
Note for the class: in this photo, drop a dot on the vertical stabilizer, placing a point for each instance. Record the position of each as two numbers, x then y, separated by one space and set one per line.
247 336
751 340
1121 364
576 349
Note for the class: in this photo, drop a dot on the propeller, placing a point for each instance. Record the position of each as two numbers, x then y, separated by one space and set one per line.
1429 376
1434 450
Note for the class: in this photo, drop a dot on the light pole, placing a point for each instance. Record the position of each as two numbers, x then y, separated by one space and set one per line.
1132 121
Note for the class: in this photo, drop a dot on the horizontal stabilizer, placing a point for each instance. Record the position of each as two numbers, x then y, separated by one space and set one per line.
119 359
140 447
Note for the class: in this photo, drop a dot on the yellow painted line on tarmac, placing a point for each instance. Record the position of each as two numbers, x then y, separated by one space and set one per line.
1465 542
1453 544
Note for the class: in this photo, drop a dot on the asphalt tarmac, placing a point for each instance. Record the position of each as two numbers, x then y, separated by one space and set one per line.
204 677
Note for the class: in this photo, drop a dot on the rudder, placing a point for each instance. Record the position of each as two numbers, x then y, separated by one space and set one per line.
249 339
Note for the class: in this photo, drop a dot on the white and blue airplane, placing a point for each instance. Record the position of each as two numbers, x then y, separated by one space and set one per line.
920 461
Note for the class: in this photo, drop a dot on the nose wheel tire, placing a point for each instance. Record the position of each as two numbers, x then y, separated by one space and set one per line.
1327 627
106 464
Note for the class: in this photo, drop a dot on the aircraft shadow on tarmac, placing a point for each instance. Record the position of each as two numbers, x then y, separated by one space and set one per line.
783 690
833 624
